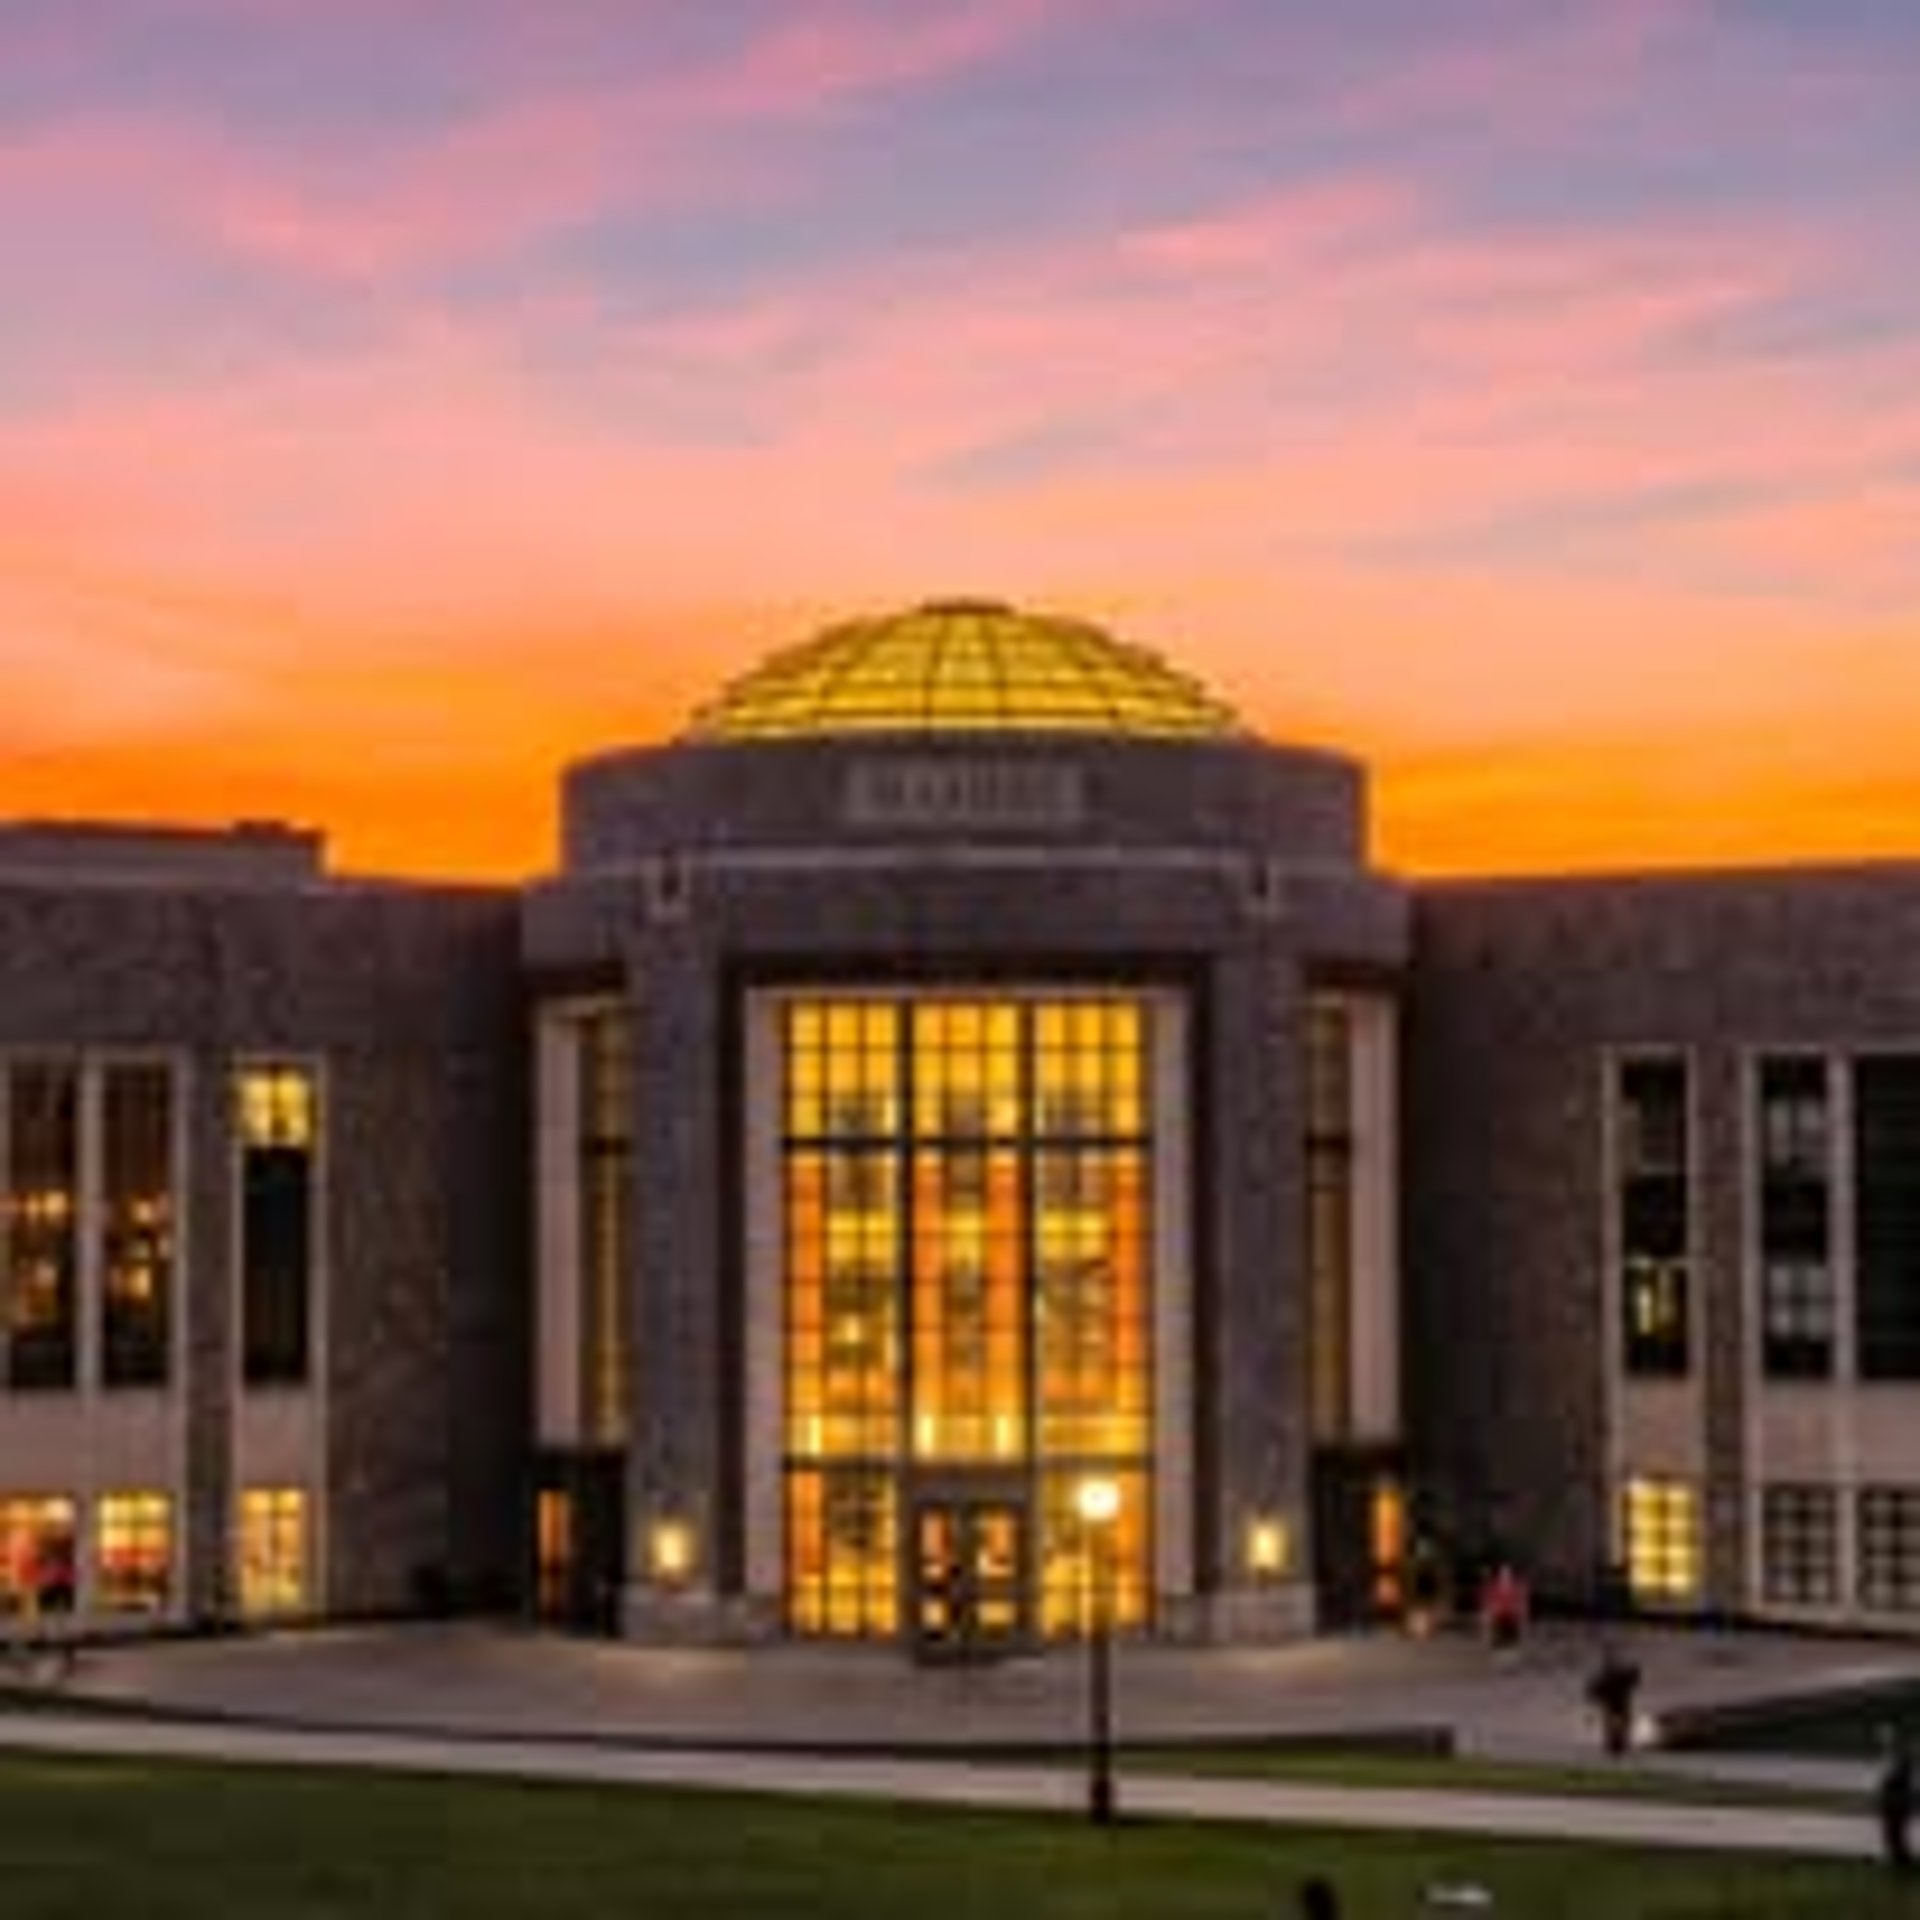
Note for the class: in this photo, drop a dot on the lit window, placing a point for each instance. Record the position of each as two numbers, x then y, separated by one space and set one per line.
36 1555
1663 1539
134 1552
274 1106
967 1231
39 1222
273 1551
136 1223
277 1115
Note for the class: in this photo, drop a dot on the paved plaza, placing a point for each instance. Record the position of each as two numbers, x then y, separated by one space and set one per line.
480 1680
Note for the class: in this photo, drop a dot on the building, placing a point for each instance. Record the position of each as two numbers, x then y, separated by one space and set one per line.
964 1066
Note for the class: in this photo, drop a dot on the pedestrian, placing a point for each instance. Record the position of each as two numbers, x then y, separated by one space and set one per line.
1895 1800
1318 1900
1423 1588
1503 1607
1611 1693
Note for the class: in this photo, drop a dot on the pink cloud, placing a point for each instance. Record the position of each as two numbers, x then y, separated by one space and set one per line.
522 163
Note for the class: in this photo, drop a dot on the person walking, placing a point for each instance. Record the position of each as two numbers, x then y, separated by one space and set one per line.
1611 1691
1894 1800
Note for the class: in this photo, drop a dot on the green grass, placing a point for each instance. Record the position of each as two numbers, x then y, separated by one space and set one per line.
81 1838
1440 1774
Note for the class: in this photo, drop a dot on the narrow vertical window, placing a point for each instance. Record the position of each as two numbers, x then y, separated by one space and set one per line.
277 1118
136 1224
1889 1549
1662 1539
1653 1217
41 1233
273 1551
1800 1545
133 1553
36 1555
1329 1171
1793 1133
606 1218
1886 1158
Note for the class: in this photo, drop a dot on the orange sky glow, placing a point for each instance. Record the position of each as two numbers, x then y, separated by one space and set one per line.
1532 408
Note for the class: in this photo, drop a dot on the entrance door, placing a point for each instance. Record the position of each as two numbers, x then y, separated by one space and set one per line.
970 1577
1360 1536
579 1533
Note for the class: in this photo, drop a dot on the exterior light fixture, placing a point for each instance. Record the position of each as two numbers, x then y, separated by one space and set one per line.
670 1551
1267 1547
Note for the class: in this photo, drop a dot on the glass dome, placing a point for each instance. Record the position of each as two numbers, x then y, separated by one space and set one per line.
962 666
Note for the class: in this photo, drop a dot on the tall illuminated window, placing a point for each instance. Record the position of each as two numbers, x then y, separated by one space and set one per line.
41 1237
133 1552
276 1113
1662 1526
966 1200
137 1223
36 1554
273 1551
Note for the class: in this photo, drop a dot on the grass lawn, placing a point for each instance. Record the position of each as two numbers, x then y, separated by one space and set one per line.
107 1837
1438 1772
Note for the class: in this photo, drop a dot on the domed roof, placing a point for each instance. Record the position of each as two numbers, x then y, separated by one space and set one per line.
962 666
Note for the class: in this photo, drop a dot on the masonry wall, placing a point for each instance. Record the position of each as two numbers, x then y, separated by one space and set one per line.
408 998
1518 991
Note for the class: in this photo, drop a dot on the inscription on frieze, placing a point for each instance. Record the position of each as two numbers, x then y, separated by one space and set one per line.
932 792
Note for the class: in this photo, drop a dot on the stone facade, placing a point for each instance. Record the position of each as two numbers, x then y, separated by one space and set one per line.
1229 871
1519 994
1224 875
408 998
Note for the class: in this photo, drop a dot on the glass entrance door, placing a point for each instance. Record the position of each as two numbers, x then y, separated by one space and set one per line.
970 1576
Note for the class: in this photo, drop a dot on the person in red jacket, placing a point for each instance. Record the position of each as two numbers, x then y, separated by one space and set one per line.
1503 1607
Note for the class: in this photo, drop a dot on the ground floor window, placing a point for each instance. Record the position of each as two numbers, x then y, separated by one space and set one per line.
1662 1526
273 1551
1800 1545
1889 1570
36 1555
134 1552
843 1524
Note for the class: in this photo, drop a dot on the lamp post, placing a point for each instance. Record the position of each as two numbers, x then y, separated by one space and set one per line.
1097 1501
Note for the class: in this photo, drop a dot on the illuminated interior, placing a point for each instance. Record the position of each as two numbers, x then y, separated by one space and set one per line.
36 1555
967 1288
134 1552
273 1551
1662 1539
963 666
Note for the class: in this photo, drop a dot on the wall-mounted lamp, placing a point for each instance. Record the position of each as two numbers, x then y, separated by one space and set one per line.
670 1551
1267 1547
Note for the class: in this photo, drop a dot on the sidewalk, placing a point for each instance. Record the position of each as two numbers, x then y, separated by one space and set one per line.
1059 1788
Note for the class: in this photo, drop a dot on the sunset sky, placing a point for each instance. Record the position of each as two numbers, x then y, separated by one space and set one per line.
400 397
